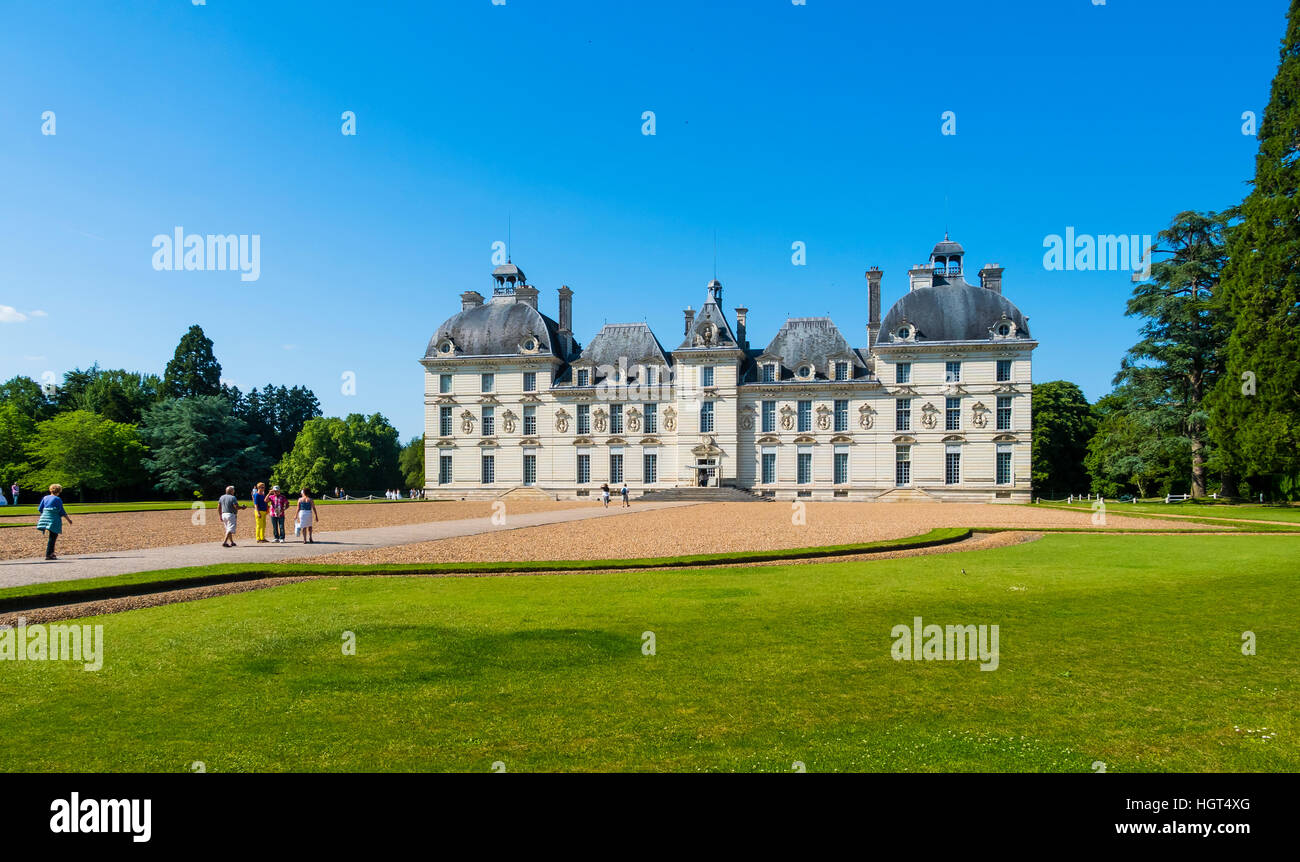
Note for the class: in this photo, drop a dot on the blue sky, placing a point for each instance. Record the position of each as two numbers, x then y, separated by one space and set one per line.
775 123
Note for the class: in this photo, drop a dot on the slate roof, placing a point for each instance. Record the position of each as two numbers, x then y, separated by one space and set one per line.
956 311
811 339
499 327
712 315
631 343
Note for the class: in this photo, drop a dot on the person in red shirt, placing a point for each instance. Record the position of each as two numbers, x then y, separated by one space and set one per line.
276 503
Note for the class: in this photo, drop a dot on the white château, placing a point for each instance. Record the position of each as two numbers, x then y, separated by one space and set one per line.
936 406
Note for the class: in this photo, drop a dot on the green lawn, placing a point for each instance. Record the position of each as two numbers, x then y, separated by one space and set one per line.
1202 511
1118 648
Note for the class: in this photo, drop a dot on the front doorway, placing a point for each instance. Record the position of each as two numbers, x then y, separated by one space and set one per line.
706 472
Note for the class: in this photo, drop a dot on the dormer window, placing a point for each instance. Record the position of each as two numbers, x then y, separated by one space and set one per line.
1004 329
769 372
806 371
446 346
904 332
584 377
530 344
841 370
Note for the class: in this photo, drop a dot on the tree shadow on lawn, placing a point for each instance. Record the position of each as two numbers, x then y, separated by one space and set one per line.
413 656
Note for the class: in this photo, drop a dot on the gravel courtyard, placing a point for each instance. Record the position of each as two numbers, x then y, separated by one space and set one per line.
123 531
719 527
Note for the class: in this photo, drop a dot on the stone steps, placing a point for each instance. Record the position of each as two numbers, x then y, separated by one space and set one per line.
703 495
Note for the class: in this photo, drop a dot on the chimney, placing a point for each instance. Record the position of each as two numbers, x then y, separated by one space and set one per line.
566 310
527 294
690 320
741 314
470 299
873 305
991 277
922 276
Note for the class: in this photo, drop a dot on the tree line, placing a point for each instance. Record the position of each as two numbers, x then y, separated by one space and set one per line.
1208 400
113 434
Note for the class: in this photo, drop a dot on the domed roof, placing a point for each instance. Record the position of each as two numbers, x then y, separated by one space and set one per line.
952 312
502 326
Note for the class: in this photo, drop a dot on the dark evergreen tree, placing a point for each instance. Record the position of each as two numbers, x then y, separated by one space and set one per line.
1255 409
194 369
1063 423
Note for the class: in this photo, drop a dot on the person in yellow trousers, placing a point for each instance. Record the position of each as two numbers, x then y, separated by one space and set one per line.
259 510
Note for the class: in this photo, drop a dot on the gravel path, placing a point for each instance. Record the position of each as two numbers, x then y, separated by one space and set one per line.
32 571
720 527
125 531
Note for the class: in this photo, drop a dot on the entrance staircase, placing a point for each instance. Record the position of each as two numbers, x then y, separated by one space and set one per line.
701 495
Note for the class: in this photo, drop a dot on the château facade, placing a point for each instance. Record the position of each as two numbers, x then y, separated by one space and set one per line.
936 406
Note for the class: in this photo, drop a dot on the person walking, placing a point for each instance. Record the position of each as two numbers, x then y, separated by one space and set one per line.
52 516
276 503
624 493
13 492
604 494
229 508
306 515
259 512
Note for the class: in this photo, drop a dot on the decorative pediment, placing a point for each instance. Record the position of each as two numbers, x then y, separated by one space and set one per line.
1006 438
488 399
805 438
445 443
529 441
487 443
903 440
615 441
841 438
1006 387
445 399
954 438
650 441
582 441
770 440
530 398
903 389
954 389
705 449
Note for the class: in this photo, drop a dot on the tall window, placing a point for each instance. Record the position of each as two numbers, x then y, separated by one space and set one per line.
841 371
1004 412
952 466
444 469
444 421
769 468
649 468
903 414
616 418
530 469
841 414
952 372
805 415
804 468
769 372
651 418
902 465
489 469
1004 464
584 418
584 468
769 417
489 421
488 381
841 468
706 417
706 375
530 420
616 467
952 414
1004 370
584 376
903 372
444 384
530 381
